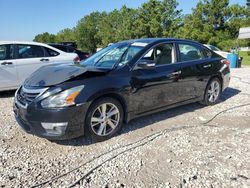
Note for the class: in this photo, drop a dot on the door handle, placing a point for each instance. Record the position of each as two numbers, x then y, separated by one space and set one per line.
44 59
7 63
175 73
207 66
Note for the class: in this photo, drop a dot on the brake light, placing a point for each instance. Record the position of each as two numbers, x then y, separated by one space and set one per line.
77 59
226 62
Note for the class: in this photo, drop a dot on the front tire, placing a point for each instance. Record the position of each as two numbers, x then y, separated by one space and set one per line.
104 119
212 93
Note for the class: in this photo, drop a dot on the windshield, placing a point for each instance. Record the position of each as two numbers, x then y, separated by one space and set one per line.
116 54
214 48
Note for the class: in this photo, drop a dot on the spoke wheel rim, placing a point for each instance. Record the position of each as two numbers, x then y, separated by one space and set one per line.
105 119
213 91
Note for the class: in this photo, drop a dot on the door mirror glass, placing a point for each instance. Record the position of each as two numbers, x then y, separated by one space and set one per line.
146 64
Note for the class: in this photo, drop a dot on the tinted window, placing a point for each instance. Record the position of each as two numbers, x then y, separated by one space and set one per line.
63 48
80 53
30 51
189 52
6 52
214 48
71 50
206 53
161 54
51 52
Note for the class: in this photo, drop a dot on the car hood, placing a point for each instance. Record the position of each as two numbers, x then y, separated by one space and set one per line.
56 74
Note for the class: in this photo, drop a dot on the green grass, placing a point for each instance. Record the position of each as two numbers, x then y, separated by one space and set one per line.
246 58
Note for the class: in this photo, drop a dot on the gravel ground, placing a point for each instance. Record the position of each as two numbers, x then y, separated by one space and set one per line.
174 148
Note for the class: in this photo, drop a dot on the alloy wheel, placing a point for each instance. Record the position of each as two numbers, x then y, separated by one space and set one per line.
105 119
213 91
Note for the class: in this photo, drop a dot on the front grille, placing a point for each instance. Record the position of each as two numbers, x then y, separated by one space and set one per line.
26 96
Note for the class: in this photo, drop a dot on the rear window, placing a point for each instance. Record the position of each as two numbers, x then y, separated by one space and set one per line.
71 50
51 53
63 48
214 48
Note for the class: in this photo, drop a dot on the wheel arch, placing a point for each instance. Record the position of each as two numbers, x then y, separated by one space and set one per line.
117 97
219 76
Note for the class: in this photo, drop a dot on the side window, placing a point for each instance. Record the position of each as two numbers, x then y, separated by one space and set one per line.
189 52
206 53
30 51
51 53
161 54
6 52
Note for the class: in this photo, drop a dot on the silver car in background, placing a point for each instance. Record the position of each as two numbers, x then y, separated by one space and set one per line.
19 59
217 50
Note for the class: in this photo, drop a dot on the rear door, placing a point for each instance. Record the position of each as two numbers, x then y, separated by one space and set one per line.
8 71
195 66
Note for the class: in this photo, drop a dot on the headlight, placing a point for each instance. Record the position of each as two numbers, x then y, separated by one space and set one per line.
62 99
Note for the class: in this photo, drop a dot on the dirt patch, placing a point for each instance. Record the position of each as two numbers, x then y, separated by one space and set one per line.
169 149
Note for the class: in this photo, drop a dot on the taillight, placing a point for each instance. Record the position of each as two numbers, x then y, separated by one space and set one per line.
226 62
77 59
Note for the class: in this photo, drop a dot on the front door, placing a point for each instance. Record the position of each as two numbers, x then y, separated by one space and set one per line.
158 87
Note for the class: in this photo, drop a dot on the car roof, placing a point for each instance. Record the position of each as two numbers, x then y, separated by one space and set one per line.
152 40
62 45
31 43
58 44
22 42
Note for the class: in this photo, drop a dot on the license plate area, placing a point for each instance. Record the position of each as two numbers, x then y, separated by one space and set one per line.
20 111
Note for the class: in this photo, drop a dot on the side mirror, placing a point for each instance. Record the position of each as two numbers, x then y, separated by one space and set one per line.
146 64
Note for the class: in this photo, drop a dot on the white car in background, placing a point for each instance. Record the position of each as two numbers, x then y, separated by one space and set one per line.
19 59
217 50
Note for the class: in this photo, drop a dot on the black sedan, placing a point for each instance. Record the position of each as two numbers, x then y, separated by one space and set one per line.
121 82
66 48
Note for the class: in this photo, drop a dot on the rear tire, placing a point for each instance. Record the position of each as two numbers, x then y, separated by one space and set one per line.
212 93
104 119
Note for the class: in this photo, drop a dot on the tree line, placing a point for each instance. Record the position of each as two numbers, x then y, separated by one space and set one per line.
213 22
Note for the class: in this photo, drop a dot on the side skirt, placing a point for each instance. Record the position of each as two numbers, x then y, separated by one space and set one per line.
131 115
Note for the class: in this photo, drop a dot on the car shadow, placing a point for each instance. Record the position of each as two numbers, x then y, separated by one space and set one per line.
228 93
7 94
144 121
160 116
